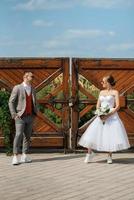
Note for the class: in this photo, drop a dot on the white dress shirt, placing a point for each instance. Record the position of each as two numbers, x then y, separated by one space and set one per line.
27 88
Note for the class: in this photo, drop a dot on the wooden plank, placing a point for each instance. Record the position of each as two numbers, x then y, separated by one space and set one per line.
47 121
126 81
48 80
57 112
2 142
30 63
129 90
54 92
5 77
85 92
47 134
47 142
5 84
65 106
89 77
74 110
85 110
107 64
123 102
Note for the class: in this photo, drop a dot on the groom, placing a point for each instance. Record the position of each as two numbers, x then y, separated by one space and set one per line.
22 105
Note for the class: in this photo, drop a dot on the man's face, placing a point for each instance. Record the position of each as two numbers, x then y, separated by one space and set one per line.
29 77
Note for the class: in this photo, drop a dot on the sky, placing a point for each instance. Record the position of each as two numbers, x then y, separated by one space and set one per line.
67 28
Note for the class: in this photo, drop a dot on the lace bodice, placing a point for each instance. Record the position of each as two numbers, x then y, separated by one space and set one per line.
107 100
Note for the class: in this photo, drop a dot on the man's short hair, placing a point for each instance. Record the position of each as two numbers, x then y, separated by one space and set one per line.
26 74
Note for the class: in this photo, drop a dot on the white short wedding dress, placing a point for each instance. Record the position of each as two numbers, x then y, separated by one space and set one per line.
110 136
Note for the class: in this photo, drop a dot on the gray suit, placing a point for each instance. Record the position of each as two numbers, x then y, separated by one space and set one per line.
23 124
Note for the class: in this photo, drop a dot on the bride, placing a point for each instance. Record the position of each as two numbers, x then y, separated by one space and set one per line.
106 132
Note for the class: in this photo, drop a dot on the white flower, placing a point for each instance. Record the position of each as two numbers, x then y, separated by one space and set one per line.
102 110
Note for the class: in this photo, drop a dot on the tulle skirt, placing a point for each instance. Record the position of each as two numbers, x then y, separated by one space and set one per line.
109 137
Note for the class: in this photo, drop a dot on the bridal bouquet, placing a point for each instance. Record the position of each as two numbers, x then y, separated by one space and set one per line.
101 111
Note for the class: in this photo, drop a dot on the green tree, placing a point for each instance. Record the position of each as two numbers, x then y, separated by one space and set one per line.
5 120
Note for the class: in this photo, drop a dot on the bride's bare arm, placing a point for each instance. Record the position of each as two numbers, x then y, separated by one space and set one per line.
98 103
117 103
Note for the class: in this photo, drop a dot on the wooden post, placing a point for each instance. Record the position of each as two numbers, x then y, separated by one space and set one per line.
65 108
75 113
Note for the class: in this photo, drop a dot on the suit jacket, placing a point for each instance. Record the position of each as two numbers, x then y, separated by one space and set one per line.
17 101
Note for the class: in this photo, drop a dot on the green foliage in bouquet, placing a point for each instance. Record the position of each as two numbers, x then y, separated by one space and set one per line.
5 120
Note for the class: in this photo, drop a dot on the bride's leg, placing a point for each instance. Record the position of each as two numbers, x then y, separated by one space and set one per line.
89 150
110 154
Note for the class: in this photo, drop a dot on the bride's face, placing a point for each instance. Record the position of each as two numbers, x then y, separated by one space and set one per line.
104 83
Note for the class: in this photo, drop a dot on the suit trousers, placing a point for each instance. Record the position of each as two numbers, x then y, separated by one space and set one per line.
23 128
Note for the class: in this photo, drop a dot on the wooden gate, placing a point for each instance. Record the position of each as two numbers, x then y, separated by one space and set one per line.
86 77
51 81
51 127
